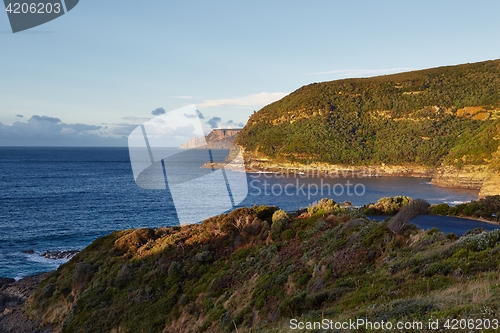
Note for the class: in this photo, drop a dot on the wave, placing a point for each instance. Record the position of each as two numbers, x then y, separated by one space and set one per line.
455 202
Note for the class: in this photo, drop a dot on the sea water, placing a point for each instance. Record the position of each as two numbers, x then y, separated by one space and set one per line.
64 198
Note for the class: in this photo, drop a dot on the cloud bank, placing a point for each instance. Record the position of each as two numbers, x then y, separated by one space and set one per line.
50 131
217 122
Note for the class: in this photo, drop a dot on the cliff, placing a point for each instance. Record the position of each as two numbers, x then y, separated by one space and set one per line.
469 176
216 139
440 122
491 183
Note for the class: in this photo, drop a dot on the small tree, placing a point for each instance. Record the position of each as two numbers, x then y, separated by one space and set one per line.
413 209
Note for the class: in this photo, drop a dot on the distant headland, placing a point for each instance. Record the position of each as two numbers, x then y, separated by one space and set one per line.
216 139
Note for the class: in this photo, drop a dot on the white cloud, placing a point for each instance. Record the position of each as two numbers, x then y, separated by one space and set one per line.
133 118
345 73
261 99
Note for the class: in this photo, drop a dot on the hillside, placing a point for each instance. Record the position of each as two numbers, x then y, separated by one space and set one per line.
216 139
445 120
253 270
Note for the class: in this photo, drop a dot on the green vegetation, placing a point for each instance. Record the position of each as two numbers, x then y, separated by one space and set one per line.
386 206
423 117
255 268
483 208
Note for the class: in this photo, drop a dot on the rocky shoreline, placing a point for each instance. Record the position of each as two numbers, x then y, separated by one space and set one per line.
13 295
479 177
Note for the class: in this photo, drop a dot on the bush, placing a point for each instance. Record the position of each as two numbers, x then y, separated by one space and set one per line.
264 212
481 241
204 257
287 234
279 215
83 272
482 208
326 206
387 206
175 270
441 209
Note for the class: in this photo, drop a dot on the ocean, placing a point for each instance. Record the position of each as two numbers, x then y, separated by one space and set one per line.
64 198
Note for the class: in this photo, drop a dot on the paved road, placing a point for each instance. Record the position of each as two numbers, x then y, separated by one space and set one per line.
446 224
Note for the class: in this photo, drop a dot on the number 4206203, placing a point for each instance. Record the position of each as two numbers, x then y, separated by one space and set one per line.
33 8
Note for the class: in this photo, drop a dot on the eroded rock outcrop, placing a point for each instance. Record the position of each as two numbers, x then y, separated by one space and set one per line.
217 139
469 176
491 185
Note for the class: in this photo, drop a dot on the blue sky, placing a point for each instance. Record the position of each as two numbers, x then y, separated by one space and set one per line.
102 68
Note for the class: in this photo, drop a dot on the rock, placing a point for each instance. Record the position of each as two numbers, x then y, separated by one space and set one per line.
12 298
468 176
491 185
4 281
480 177
55 255
29 251
217 139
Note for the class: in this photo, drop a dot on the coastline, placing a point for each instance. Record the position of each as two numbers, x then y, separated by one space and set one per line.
480 177
478 219
253 164
333 170
477 177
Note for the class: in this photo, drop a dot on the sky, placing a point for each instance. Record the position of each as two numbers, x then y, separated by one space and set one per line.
91 76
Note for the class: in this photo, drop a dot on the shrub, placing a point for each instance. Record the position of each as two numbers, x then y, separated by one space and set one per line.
482 241
483 208
387 206
204 257
441 209
175 270
83 272
264 212
404 308
326 206
279 223
226 322
279 215
491 204
287 234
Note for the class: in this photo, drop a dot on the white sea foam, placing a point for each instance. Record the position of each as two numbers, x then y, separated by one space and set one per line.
455 202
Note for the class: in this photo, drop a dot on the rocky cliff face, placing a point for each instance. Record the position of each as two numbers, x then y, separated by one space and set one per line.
485 177
491 185
255 162
469 176
217 139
